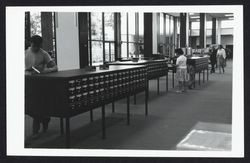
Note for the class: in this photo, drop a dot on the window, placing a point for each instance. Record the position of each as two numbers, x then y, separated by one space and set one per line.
96 38
102 46
42 24
35 23
132 34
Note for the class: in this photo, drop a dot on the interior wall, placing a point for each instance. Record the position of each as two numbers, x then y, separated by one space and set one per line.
226 40
67 40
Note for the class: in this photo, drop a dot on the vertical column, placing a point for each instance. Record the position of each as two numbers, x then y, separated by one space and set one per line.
27 29
47 30
213 30
117 34
218 32
148 34
155 32
83 39
137 34
164 34
184 21
189 31
175 32
202 30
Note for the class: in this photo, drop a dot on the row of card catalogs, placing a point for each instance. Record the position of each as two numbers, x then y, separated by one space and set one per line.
89 93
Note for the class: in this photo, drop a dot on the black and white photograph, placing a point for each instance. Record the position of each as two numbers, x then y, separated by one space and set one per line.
139 81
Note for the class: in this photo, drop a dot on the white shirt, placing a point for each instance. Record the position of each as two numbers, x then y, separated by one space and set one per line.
181 61
39 59
221 52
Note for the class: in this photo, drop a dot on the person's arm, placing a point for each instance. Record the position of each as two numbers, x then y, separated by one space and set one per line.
224 54
177 62
50 65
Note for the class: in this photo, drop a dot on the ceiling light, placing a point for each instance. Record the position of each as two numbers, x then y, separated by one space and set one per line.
231 18
194 17
191 13
229 15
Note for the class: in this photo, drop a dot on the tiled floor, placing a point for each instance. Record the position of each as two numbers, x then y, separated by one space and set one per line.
171 117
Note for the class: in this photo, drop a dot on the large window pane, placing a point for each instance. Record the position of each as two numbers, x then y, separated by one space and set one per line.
109 51
141 27
96 26
132 49
131 29
123 26
124 52
35 23
109 26
161 23
97 51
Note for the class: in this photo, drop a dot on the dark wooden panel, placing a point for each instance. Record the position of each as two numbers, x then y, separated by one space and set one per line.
83 39
69 93
148 49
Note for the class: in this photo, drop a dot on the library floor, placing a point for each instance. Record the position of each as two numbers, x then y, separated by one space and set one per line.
171 117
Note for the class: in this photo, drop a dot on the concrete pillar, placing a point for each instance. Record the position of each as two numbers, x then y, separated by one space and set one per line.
213 30
184 25
218 32
155 33
148 34
47 31
203 41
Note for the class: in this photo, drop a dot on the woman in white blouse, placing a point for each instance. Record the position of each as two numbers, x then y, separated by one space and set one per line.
221 57
181 70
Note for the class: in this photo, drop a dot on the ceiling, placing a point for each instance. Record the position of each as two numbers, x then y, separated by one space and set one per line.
195 16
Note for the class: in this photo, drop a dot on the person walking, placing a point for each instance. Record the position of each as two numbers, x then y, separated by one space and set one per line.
221 56
213 59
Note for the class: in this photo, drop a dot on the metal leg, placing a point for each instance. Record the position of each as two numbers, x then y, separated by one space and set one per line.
67 133
158 86
173 78
199 78
167 82
207 74
113 107
146 100
128 110
61 126
194 79
91 115
134 99
103 122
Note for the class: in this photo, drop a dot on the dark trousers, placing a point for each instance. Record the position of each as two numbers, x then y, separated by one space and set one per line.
213 68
